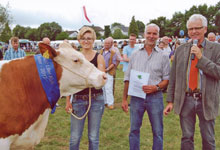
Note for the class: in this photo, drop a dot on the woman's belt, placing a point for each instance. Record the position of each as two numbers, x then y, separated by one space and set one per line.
86 96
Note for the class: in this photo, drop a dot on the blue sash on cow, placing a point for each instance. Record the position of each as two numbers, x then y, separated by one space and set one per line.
48 79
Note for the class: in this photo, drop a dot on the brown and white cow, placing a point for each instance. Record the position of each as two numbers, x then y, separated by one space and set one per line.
24 108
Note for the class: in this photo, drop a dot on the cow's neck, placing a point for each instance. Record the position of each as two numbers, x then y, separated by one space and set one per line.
47 74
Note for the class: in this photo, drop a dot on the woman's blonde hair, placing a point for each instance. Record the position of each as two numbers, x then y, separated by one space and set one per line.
85 30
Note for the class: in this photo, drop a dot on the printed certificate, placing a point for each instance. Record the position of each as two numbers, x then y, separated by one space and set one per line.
137 80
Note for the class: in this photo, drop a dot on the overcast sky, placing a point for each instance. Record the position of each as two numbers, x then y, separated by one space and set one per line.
69 13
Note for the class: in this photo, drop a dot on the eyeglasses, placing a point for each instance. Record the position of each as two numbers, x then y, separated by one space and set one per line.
195 28
86 39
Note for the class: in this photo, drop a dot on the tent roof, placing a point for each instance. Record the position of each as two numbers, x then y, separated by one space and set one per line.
24 41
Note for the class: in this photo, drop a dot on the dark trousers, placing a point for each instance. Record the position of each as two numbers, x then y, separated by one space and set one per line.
190 109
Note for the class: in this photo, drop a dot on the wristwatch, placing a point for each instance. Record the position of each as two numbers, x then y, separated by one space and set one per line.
158 88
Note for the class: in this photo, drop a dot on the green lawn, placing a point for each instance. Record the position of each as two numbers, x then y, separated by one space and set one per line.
115 129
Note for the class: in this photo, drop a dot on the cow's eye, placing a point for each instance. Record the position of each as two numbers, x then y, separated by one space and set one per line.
76 60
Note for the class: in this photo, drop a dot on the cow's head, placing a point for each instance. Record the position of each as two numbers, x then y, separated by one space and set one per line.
77 72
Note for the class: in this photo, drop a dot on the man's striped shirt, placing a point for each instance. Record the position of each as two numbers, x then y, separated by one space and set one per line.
157 64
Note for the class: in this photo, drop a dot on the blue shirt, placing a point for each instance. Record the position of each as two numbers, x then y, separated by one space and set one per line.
217 37
12 54
128 51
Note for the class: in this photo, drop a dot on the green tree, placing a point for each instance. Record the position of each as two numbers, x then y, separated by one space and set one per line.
191 11
116 24
214 18
141 26
107 31
203 9
178 21
117 34
50 30
98 35
217 21
176 24
208 12
4 17
133 28
6 34
20 31
162 23
31 34
212 11
62 36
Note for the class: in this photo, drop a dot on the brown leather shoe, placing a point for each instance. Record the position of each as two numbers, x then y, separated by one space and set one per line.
111 107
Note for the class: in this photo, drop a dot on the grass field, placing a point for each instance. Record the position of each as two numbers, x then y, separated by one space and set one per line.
115 129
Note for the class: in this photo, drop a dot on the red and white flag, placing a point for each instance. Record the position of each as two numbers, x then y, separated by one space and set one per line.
85 14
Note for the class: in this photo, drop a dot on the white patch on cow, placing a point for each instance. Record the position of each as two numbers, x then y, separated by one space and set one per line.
5 144
30 137
78 73
2 62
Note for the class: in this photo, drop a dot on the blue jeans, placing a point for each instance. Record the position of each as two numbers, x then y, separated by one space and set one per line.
190 109
154 106
94 119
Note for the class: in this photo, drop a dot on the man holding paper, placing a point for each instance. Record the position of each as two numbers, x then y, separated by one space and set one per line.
147 73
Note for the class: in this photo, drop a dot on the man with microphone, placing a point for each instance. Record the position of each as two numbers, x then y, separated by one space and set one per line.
194 85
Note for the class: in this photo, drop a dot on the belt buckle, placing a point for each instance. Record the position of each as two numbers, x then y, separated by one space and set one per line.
196 96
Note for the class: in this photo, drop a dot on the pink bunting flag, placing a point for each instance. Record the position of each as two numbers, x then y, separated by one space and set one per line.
85 14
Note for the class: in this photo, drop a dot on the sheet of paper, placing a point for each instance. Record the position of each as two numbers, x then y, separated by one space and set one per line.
137 80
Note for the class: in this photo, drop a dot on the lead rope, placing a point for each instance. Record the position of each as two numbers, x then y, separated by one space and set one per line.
82 117
90 101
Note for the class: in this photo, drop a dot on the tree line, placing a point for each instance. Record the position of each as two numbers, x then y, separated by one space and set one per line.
172 27
168 27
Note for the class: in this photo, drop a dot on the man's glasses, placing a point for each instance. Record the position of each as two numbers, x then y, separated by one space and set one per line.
195 28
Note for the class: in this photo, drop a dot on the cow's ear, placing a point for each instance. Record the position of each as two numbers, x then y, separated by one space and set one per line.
47 51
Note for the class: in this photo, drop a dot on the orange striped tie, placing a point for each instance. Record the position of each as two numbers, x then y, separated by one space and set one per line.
193 75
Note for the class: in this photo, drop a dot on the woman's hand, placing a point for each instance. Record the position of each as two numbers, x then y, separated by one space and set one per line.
68 105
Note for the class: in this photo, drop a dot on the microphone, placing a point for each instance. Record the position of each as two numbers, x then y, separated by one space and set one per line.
195 42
